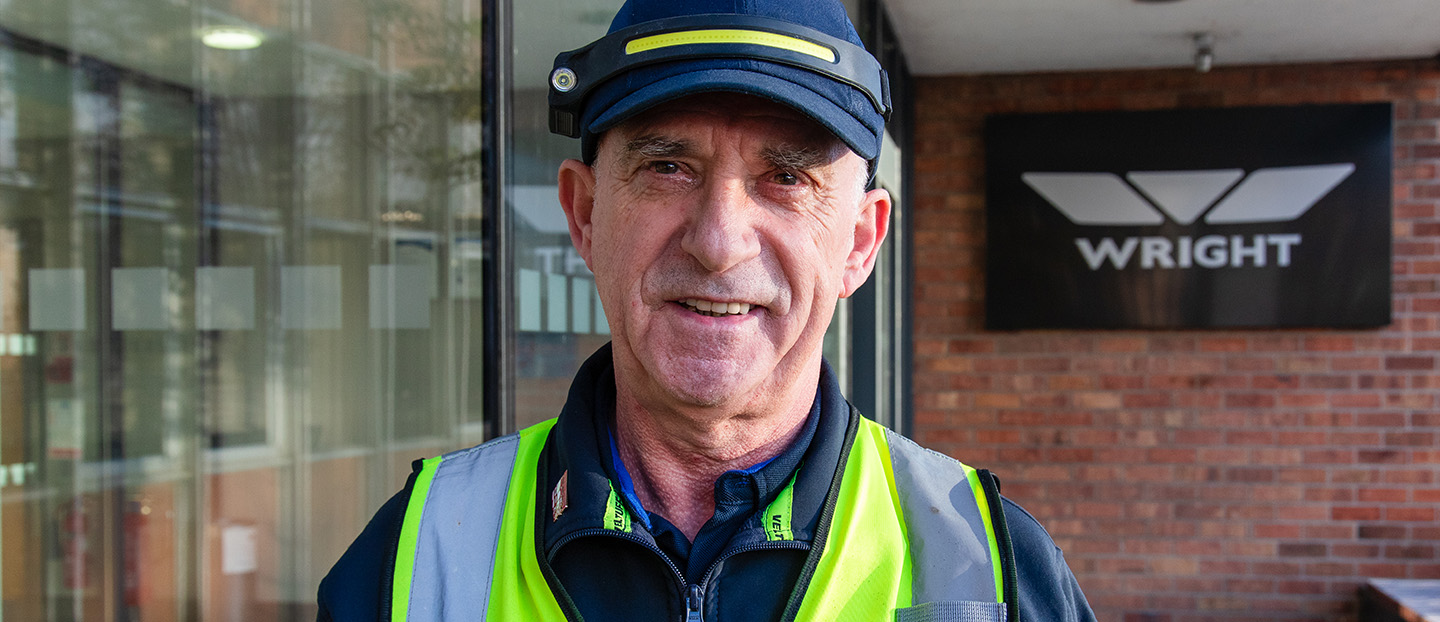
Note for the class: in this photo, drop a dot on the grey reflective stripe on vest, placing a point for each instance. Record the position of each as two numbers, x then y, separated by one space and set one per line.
950 611
460 525
949 548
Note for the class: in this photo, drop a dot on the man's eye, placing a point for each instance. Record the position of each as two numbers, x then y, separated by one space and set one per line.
665 168
785 178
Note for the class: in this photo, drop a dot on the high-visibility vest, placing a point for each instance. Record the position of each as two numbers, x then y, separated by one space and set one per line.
914 536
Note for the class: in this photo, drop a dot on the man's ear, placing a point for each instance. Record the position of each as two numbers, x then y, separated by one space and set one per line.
577 198
871 225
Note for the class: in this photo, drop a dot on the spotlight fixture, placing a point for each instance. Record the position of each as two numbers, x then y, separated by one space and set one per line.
1204 52
231 38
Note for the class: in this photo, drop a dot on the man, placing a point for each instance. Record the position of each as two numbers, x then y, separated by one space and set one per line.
706 466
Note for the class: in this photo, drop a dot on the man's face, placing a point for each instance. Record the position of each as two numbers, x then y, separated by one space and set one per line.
721 230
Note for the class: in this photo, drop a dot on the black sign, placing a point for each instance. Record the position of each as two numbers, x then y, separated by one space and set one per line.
1240 217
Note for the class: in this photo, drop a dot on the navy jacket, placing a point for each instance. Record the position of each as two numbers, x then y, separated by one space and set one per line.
729 567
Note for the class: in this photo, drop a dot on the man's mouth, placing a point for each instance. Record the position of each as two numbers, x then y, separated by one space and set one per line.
715 309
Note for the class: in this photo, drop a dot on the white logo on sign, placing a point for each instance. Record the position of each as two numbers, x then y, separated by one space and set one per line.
1266 195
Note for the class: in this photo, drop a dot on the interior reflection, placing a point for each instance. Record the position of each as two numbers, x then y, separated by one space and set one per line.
239 292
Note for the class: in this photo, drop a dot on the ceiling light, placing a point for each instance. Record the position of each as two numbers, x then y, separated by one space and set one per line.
231 38
1204 52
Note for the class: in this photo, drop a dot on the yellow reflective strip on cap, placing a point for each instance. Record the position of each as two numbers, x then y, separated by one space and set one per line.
730 35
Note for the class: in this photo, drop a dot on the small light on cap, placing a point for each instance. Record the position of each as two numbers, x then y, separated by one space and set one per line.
563 79
231 38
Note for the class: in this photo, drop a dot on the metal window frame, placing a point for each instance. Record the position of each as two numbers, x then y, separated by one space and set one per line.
497 268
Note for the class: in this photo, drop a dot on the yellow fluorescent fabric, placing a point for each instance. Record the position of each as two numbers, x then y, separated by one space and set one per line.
983 502
518 590
409 538
778 514
616 518
864 572
729 35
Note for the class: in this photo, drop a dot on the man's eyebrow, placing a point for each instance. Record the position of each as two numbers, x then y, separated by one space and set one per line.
794 157
656 147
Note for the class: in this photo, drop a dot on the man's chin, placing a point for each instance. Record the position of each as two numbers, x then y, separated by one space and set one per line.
709 385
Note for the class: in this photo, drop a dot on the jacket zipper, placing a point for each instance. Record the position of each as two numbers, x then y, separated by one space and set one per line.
690 591
695 601
692 605
694 594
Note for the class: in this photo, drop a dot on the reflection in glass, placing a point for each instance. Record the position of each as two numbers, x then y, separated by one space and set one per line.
239 293
556 329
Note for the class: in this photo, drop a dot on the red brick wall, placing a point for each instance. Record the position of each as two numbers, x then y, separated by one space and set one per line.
1196 475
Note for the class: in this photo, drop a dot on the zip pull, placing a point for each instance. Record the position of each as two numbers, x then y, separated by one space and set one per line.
693 604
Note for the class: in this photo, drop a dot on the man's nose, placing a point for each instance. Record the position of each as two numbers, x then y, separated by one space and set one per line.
721 232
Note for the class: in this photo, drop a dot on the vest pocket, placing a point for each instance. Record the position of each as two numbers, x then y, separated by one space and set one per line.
952 611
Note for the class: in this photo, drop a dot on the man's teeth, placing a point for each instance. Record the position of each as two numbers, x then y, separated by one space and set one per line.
717 309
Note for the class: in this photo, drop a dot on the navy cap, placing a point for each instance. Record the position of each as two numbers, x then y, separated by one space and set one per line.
801 53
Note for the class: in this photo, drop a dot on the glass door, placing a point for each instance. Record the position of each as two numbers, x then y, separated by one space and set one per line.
240 291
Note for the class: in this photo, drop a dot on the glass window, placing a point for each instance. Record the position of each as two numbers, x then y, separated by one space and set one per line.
558 318
877 362
240 290
243 283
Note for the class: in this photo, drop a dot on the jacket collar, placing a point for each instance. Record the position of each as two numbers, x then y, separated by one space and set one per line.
578 450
